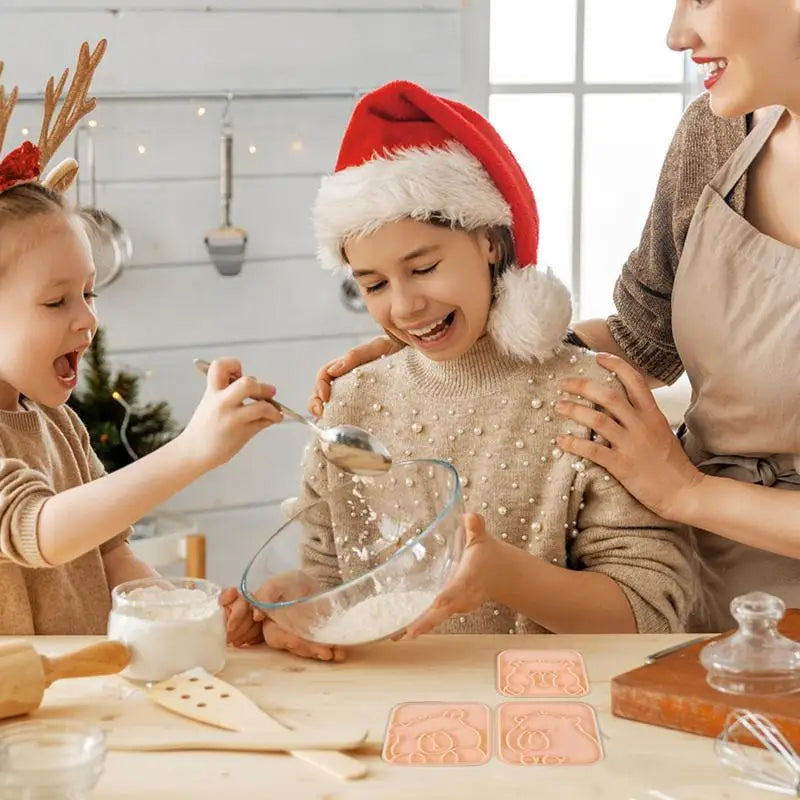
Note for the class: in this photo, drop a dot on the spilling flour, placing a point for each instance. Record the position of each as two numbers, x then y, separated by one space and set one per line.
374 618
168 630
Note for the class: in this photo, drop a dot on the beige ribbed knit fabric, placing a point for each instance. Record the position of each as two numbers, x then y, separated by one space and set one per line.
44 451
642 326
493 416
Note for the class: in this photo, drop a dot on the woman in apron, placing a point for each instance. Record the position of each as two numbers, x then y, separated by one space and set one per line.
713 288
735 312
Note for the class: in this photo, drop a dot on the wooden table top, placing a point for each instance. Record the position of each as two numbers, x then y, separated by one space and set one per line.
641 762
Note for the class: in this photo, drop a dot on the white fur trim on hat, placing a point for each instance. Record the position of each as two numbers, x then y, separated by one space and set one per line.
415 182
530 314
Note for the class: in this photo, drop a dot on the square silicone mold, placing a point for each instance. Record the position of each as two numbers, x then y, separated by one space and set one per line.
541 673
438 734
548 734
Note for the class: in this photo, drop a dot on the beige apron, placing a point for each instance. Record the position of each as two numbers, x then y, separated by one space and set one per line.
736 323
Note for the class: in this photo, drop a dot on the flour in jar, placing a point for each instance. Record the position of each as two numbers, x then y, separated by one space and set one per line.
157 603
169 631
377 616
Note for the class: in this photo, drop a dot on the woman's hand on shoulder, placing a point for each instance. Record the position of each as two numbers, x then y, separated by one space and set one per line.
355 357
642 452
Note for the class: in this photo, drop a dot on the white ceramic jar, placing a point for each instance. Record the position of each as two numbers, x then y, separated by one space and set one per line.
170 625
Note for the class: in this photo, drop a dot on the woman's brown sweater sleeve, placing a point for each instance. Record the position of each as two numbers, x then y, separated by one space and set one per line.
642 326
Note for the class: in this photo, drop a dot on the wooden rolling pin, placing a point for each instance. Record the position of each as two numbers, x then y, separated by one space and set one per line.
24 674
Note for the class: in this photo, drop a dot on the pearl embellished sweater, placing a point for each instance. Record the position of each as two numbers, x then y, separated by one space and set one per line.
492 416
44 451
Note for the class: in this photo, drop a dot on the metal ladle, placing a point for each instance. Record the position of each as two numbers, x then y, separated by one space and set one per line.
347 447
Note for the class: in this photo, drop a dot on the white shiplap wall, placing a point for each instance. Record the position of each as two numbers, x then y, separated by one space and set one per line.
282 315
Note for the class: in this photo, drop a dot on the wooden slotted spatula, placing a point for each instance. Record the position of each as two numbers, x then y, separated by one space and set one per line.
148 738
202 697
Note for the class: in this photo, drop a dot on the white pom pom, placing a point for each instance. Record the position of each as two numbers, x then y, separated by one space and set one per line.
530 314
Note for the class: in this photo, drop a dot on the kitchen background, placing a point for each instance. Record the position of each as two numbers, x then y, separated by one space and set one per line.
584 90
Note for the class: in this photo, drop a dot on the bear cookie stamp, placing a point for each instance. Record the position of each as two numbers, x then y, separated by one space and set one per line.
548 734
438 734
541 673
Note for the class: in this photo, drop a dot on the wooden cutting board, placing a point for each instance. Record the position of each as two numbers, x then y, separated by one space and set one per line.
672 693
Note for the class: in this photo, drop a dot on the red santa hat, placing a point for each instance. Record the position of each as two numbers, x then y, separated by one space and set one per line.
408 153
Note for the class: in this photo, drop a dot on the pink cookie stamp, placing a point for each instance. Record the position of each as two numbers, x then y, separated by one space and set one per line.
548 734
438 734
541 673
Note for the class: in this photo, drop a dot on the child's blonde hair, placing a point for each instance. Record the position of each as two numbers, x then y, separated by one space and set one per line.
26 201
29 200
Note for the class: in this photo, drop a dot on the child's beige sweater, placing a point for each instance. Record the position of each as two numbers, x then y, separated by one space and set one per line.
44 451
494 417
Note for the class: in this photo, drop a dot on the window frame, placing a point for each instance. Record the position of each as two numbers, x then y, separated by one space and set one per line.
477 90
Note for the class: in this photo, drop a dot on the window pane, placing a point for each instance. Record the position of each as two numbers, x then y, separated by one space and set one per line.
624 144
539 131
532 41
640 56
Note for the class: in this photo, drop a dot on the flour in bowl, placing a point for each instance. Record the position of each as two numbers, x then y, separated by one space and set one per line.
374 618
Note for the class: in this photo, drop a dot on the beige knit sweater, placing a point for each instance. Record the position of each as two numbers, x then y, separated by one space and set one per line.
493 416
642 326
44 451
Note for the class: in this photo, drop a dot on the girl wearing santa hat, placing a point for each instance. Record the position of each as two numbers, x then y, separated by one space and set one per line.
431 214
712 289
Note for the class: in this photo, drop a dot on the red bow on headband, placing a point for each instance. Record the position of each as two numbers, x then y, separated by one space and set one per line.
20 166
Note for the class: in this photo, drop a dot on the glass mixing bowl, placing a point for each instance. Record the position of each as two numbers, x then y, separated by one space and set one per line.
365 561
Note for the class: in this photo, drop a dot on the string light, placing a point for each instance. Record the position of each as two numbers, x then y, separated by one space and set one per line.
252 149
142 149
297 145
201 111
25 131
123 428
92 123
129 411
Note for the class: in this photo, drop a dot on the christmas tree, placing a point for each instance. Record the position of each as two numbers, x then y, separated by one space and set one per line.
103 403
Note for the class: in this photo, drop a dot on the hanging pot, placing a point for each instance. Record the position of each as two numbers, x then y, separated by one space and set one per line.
112 248
350 295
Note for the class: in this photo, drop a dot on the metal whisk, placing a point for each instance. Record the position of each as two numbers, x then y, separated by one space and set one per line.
776 768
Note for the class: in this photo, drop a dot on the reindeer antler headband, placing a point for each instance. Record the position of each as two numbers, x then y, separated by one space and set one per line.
26 163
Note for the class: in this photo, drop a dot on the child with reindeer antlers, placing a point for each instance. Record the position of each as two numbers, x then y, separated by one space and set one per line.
63 523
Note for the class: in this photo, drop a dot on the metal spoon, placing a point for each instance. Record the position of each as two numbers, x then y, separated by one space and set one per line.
349 448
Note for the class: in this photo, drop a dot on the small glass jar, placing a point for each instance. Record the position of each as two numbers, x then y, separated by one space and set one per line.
50 760
756 658
170 625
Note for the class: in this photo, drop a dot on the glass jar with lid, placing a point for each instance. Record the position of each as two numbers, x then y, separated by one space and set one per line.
170 625
757 658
